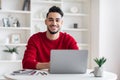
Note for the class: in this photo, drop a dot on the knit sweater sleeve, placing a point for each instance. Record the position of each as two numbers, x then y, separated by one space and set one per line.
71 42
29 59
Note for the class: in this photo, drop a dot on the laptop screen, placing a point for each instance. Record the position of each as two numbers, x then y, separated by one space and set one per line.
68 61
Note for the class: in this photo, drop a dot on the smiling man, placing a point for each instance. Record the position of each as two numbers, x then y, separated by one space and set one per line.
37 53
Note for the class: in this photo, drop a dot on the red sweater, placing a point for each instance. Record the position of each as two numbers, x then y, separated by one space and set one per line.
39 46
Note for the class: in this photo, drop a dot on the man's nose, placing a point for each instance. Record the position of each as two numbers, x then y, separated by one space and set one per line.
54 22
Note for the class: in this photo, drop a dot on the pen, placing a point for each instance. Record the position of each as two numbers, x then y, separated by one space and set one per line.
44 73
33 73
38 73
41 73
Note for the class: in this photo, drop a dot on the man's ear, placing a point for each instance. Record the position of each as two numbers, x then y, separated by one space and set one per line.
62 22
46 21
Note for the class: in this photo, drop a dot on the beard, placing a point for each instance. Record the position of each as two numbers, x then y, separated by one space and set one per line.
51 32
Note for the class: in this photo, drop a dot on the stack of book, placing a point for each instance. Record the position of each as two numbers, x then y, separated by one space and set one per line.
29 72
24 72
26 5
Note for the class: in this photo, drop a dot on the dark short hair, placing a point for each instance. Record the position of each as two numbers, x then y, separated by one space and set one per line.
55 9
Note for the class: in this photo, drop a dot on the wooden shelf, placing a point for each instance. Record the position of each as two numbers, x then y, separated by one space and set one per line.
75 14
20 44
5 61
15 11
47 2
73 1
38 19
74 29
82 44
15 28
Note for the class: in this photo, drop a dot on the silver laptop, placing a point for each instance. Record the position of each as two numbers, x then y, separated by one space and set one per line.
68 61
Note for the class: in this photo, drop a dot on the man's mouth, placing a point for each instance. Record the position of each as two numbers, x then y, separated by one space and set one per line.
53 27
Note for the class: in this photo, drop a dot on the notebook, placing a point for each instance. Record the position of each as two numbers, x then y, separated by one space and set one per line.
68 61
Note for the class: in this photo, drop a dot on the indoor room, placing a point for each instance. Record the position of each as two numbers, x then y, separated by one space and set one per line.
91 25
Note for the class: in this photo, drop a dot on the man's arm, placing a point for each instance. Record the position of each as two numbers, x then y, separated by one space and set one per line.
42 65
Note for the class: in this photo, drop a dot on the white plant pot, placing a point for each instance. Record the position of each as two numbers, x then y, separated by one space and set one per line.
8 56
14 56
98 72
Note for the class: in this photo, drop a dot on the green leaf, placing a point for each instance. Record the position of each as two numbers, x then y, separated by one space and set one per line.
100 61
11 50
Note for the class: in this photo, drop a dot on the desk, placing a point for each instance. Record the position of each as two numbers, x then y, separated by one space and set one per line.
87 76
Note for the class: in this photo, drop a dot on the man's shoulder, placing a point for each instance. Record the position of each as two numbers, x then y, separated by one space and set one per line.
38 35
64 34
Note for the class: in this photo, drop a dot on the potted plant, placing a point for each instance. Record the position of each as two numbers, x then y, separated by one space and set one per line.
13 51
98 71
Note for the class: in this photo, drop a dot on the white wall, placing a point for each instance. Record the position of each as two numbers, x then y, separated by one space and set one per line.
110 34
94 31
106 33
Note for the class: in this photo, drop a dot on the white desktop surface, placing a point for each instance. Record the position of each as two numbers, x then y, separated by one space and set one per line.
86 76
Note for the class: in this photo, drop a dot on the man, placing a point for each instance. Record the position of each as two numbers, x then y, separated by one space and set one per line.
37 53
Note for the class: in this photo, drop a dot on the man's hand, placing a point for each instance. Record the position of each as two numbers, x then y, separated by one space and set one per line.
43 65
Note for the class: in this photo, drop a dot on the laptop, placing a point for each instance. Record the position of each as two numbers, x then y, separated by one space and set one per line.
68 61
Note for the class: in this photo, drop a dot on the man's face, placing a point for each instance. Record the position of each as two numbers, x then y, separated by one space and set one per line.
53 22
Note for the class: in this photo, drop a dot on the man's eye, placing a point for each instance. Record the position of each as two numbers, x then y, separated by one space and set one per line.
50 20
57 20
